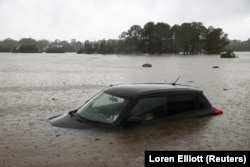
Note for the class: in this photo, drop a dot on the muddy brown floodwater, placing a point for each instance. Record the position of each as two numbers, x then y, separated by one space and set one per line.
34 87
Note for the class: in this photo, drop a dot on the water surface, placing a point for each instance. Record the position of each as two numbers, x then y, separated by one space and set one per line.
34 87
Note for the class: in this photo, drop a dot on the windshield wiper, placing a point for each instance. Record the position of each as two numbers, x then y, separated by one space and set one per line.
73 114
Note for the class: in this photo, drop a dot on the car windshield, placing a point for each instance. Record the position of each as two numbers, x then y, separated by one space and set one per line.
103 108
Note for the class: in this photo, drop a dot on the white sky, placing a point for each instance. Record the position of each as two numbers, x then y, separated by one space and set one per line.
107 19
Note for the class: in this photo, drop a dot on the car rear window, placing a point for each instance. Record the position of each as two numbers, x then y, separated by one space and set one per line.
159 107
181 103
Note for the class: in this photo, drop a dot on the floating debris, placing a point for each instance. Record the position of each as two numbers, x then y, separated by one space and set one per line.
147 65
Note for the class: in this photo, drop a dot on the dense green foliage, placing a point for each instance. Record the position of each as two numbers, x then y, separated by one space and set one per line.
29 45
28 49
237 45
152 38
227 54
55 50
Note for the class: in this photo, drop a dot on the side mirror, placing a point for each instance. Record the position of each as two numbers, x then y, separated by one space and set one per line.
133 121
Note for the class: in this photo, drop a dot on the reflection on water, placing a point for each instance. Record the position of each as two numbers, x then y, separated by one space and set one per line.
36 86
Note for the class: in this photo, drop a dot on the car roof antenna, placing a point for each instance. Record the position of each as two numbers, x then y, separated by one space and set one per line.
174 83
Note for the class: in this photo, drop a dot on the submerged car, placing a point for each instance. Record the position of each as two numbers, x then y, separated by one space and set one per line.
137 104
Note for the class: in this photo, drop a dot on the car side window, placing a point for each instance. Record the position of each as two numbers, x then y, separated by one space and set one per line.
149 108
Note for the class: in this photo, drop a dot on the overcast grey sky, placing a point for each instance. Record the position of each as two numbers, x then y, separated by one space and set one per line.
106 19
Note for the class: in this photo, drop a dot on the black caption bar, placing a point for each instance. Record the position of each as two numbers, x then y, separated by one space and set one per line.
197 158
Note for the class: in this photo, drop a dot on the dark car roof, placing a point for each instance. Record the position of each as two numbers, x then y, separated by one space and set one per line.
133 90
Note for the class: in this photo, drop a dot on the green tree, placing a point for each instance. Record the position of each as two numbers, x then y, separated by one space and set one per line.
76 44
162 37
175 35
190 37
215 40
102 47
111 46
198 36
28 49
149 41
8 44
133 39
43 45
121 44
185 37
88 47
27 41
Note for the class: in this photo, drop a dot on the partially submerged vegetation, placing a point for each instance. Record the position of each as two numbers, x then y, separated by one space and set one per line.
152 38
227 54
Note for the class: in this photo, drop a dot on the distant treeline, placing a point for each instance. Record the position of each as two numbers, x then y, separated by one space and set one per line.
237 45
152 38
